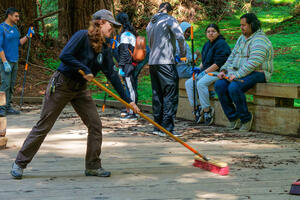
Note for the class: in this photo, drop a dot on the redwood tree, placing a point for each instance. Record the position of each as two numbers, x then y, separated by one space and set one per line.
76 15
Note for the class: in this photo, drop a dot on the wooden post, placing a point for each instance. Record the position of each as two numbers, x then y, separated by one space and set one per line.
3 139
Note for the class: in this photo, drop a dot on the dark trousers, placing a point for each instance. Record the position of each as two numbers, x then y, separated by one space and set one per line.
164 81
66 91
8 80
135 75
232 95
131 88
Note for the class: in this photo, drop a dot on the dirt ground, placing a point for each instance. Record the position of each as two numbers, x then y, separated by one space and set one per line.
144 166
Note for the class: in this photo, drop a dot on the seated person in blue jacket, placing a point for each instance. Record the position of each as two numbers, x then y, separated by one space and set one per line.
214 54
184 67
88 51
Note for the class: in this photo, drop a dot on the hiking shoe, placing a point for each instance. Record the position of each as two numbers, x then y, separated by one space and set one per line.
130 117
11 111
209 116
176 134
97 172
246 127
155 131
198 115
123 113
2 113
16 171
162 134
234 124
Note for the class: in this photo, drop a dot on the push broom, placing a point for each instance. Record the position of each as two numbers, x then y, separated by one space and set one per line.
201 161
226 77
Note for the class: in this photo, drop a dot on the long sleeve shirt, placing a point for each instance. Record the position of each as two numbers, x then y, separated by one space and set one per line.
127 44
10 41
215 52
79 54
252 54
162 32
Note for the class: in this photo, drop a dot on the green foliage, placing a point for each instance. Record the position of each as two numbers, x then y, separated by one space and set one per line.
275 2
144 91
51 23
51 63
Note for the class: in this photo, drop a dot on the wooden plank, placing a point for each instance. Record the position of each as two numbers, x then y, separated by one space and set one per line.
3 142
279 120
3 123
149 167
284 90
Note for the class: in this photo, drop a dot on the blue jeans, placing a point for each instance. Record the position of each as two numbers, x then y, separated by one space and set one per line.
232 95
184 71
8 80
203 81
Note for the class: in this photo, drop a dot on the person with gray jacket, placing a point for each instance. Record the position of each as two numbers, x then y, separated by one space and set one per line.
163 31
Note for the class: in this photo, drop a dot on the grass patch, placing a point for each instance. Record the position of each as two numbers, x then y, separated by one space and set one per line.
282 2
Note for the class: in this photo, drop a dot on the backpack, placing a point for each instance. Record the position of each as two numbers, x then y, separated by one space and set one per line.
139 52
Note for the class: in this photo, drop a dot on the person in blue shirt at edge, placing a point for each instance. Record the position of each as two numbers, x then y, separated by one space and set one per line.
87 50
184 67
9 56
214 54
129 69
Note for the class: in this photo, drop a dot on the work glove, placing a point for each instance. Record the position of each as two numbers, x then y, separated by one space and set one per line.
180 60
121 72
7 67
30 31
177 59
197 70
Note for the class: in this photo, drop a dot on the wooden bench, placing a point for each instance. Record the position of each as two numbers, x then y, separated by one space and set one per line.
272 106
3 139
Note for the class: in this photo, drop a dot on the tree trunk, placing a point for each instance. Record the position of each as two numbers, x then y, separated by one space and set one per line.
27 10
39 5
76 15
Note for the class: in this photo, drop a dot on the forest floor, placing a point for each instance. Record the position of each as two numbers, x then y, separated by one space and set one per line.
145 166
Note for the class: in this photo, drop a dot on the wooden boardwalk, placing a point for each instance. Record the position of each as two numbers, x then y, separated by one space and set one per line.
149 167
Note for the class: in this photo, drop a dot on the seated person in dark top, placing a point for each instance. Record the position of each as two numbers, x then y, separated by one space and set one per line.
214 54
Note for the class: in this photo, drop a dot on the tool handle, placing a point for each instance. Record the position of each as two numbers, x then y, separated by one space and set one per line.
103 106
31 33
145 117
226 77
183 59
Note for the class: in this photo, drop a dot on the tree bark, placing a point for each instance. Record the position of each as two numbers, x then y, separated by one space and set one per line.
39 5
76 15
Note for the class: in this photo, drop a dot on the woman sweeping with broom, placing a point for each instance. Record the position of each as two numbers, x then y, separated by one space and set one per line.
87 51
